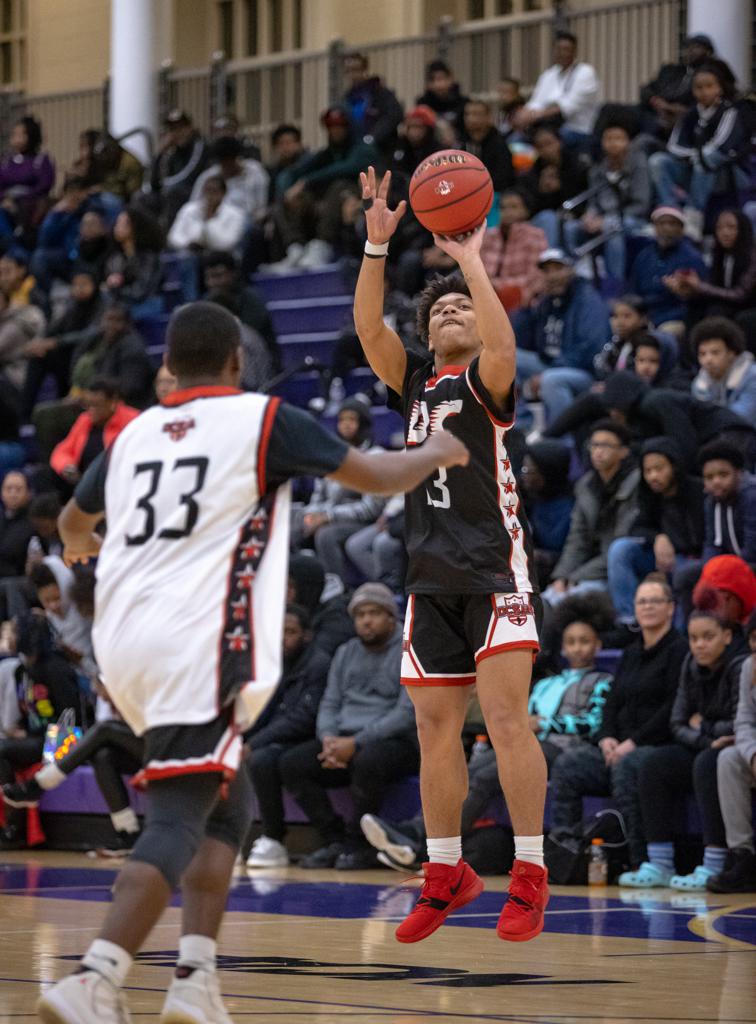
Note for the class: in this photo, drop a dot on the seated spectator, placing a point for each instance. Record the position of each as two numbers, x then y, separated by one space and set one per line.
378 551
26 174
511 251
256 365
19 325
444 97
560 335
606 504
480 137
736 778
727 586
566 95
511 102
287 149
114 350
655 265
17 283
547 492
53 584
113 751
710 138
210 222
95 243
47 686
650 354
52 351
731 287
165 383
669 95
366 735
728 375
58 237
181 159
16 529
333 513
702 724
418 139
565 713
621 201
222 277
635 721
17 594
669 530
730 505
287 721
103 419
247 181
373 108
556 176
121 173
227 127
133 273
330 622
12 452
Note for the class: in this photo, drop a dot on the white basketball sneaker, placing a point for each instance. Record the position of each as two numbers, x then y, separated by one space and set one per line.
84 998
195 999
267 853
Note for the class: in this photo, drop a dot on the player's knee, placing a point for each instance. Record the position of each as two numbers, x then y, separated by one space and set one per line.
169 849
506 724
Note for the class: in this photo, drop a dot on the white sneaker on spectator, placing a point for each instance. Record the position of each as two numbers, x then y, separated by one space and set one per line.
694 223
195 999
267 853
84 998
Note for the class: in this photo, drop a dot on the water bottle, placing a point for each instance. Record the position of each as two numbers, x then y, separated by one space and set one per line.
480 746
598 866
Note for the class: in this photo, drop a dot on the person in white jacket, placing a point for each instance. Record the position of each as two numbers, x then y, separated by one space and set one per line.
210 222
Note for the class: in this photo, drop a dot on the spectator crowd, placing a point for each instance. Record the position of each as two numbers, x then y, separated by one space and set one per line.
621 242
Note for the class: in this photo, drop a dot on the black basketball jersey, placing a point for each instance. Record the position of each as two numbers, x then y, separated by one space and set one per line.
465 527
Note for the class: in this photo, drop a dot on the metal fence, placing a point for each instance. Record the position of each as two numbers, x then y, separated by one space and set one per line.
626 40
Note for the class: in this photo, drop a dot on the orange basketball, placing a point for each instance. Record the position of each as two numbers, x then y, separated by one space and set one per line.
451 192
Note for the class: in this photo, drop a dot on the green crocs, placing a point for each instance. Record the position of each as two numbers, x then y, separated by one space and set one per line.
694 882
648 876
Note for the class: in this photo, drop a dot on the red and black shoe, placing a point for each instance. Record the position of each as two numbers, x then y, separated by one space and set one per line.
445 889
522 916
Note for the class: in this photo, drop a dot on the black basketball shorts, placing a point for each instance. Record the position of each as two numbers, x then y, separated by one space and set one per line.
447 635
212 747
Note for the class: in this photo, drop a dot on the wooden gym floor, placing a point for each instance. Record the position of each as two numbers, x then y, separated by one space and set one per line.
301 946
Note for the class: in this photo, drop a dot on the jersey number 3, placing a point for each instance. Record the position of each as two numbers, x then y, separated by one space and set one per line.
155 469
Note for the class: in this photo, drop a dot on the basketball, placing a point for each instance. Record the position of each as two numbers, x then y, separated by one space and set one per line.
451 192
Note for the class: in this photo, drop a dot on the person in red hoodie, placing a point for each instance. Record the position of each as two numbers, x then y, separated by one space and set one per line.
103 419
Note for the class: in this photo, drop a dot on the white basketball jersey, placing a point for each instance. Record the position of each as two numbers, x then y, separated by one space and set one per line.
191 580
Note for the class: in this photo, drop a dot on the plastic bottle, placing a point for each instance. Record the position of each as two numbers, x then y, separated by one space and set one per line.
598 866
480 746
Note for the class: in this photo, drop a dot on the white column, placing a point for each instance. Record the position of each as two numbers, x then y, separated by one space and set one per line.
728 24
134 32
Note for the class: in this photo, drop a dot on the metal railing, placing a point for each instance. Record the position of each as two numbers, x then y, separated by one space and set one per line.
626 40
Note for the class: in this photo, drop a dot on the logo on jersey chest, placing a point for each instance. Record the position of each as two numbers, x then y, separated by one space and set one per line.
178 429
424 421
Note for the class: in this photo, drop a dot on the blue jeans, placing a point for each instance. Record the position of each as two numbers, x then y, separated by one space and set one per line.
614 249
671 175
529 364
12 456
560 386
550 224
629 560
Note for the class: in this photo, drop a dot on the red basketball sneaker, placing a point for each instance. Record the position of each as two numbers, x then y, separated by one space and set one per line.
522 916
445 889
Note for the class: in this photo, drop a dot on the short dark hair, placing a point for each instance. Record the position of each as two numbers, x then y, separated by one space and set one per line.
45 506
646 341
218 258
661 581
201 338
527 198
619 430
595 609
300 613
120 308
435 66
41 575
284 129
216 179
562 34
710 613
635 302
718 327
105 386
473 101
436 287
227 147
721 451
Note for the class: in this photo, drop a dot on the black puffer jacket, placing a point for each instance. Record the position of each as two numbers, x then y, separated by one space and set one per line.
679 516
711 693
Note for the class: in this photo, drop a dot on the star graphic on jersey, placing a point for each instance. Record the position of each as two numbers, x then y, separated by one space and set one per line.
245 577
511 510
509 487
239 608
238 641
514 533
257 522
506 464
251 548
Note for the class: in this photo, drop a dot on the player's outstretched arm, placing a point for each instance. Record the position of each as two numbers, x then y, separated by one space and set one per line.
390 472
382 346
77 531
498 360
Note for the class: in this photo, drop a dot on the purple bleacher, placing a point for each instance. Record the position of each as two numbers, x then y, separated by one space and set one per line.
311 316
303 284
303 387
152 329
294 347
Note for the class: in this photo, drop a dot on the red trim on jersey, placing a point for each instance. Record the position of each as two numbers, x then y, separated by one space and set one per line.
515 645
499 423
439 681
201 391
226 597
447 371
262 445
140 780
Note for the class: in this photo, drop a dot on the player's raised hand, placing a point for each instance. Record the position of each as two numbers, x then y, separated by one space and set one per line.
460 248
447 449
381 221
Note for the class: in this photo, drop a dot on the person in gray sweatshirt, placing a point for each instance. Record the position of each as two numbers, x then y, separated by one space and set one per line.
366 736
736 778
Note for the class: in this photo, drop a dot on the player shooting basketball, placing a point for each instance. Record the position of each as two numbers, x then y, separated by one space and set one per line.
472 614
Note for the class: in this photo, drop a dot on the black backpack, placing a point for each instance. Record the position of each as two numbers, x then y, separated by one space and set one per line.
567 857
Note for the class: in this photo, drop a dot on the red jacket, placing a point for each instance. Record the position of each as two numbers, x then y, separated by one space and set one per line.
68 452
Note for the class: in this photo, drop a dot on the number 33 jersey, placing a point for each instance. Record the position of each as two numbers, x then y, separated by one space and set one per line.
192 575
465 527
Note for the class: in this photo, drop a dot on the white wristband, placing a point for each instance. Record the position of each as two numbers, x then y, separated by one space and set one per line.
371 249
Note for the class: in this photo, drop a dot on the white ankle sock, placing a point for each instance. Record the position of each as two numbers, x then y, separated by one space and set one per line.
50 776
530 849
197 951
109 960
125 820
445 851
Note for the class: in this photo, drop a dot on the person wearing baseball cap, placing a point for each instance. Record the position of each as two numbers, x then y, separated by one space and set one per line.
180 161
365 734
